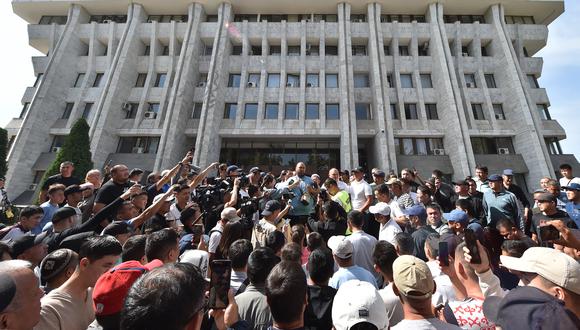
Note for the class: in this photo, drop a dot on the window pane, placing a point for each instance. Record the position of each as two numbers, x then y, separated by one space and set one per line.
251 111
293 80
532 81
490 81
332 112
160 81
421 147
291 111
331 80
87 111
411 111
293 50
273 80
331 50
394 111
361 80
477 110
312 80
79 80
98 78
406 81
498 111
253 80
408 146
234 80
271 111
141 77
404 50
230 111
196 113
275 50
67 110
470 80
431 110
312 111
362 111
426 80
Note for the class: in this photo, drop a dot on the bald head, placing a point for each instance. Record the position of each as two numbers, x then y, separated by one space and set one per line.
120 173
334 174
300 169
20 295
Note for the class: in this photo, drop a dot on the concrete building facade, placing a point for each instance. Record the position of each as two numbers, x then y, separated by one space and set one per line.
388 84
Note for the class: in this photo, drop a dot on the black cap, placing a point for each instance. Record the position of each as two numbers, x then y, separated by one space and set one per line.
136 171
116 228
358 169
75 241
25 242
255 170
63 213
271 207
75 188
7 290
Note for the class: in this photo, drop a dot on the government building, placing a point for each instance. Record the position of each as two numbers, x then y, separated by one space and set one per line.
442 85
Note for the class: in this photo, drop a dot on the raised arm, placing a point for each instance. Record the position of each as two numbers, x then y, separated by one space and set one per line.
167 177
152 209
199 179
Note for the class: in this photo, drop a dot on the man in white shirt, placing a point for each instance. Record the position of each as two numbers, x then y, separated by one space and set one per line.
335 175
215 235
362 194
567 176
383 194
388 227
362 242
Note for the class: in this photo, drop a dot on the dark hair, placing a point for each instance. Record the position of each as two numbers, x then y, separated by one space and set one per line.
330 209
566 167
434 206
515 248
405 243
55 187
432 241
314 240
134 248
275 241
466 205
233 231
383 256
437 173
321 265
4 248
187 215
482 168
260 263
330 182
159 243
292 252
298 234
505 222
97 247
164 298
356 218
31 210
425 190
180 187
286 290
239 253
383 189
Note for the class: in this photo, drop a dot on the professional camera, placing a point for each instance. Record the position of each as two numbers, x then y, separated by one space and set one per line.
249 206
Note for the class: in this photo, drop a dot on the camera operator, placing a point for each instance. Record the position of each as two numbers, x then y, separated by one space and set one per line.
330 222
255 176
340 196
303 201
273 220
271 192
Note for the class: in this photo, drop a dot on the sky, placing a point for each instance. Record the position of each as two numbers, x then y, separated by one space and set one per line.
560 75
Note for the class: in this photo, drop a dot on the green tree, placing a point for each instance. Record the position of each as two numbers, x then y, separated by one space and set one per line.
77 149
3 151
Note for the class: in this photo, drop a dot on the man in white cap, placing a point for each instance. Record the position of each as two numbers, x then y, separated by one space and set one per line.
358 304
388 227
342 251
229 214
414 285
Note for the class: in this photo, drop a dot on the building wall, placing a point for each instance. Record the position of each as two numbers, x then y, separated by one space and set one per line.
202 47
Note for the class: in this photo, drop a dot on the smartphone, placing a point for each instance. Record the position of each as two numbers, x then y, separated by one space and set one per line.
549 233
444 253
219 285
471 244
197 232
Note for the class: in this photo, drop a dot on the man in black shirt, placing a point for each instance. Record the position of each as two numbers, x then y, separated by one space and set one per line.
114 188
418 220
462 192
548 211
318 312
64 177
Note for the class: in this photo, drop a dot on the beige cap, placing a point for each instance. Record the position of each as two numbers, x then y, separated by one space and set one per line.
394 181
551 264
230 214
412 277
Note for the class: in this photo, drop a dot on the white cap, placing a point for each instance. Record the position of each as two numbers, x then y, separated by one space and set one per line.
550 264
380 208
170 198
357 301
230 214
340 246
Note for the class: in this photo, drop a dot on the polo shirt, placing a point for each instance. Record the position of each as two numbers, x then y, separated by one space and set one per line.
345 274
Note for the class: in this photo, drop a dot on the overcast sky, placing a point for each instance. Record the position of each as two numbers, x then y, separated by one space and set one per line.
560 75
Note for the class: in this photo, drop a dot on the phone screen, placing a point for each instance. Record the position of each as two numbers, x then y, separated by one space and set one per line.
219 284
197 232
549 233
471 243
444 253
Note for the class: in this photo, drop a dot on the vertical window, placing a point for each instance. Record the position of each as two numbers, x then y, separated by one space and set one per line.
484 51
332 111
331 50
312 80
234 80
24 110
533 81
165 51
154 108
408 148
361 80
293 50
431 109
426 81
293 80
411 111
132 111
237 50
312 111
147 50
331 80
230 110
207 50
79 80
291 111
275 50
196 113
424 49
477 110
359 50
251 111
406 80
273 80
141 78
490 80
403 50
362 111
67 110
98 79
312 50
160 80
253 80
470 80
387 49
394 111
390 80
255 51
271 111
543 110
498 111
87 111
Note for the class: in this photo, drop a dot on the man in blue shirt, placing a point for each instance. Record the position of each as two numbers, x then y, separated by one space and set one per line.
499 203
573 205
342 251
303 201
55 198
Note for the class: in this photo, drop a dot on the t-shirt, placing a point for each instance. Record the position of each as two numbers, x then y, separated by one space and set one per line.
467 314
565 181
364 245
419 237
110 191
359 192
215 236
388 231
55 179
13 234
345 274
424 324
393 304
559 215
573 211
62 311
174 214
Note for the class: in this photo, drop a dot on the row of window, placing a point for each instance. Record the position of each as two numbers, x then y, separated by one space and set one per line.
291 111
96 82
69 107
108 18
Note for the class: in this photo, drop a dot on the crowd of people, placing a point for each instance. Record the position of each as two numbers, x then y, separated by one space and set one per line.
337 250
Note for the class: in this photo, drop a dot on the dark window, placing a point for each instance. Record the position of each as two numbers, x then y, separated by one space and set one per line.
403 50
406 80
470 80
234 80
160 80
147 51
498 111
312 80
390 80
47 20
361 80
237 50
358 18
273 80
271 111
387 50
67 110
312 111
424 49
477 110
332 111
87 110
141 78
485 51
394 111
207 50
79 80
312 50
275 50
249 18
431 109
331 50
230 110
251 111
359 50
165 51
24 110
553 145
256 50
362 111
138 145
196 113
293 50
426 81
491 145
490 80
331 80
419 146
152 111
57 143
411 111
291 111
211 18
132 111
533 81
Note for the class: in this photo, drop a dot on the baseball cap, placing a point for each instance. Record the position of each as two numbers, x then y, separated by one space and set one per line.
456 216
380 208
54 263
553 265
112 287
255 170
357 301
394 181
170 198
340 246
136 171
527 307
495 177
357 169
544 196
25 242
416 210
315 176
572 186
232 168
229 214
63 213
508 171
271 207
412 277
75 188
379 173
461 183
116 228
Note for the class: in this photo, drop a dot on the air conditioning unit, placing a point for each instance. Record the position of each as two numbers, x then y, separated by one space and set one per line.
55 149
107 21
138 150
251 84
32 186
150 115
126 106
503 151
439 152
470 85
201 84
